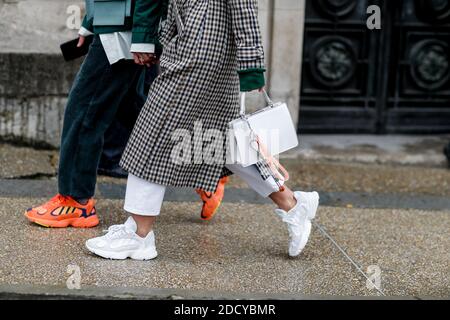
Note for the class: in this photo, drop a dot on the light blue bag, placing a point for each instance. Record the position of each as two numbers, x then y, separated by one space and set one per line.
108 12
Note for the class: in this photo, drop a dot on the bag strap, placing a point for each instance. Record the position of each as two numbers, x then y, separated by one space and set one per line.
180 24
243 96
273 164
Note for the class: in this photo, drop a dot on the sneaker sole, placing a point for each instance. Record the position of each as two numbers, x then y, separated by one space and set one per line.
135 255
212 215
313 204
89 222
305 237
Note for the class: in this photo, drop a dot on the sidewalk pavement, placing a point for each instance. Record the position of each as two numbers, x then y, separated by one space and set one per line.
242 251
395 218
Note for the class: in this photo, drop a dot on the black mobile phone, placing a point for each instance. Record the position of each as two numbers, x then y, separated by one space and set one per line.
70 51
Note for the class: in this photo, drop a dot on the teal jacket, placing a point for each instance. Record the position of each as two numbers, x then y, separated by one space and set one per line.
144 22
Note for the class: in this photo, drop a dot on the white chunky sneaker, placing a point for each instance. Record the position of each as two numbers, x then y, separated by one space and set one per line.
310 202
122 242
299 219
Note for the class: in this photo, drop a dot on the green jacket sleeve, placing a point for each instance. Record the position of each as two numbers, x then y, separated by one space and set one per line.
251 79
88 24
146 19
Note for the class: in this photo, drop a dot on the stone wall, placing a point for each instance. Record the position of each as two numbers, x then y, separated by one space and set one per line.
285 49
35 80
33 93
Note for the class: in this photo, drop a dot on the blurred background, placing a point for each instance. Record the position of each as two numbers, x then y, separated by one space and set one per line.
337 75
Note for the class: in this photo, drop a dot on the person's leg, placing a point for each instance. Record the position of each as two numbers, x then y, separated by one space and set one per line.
143 200
135 238
118 133
84 128
144 224
53 213
85 86
285 200
296 209
97 91
447 153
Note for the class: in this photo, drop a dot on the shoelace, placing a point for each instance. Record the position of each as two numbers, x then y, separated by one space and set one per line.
293 231
58 199
116 231
114 227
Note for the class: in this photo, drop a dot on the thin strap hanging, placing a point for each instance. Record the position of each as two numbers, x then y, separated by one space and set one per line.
180 24
277 170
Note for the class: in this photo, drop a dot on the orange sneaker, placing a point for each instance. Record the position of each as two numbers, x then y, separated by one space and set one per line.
63 211
212 200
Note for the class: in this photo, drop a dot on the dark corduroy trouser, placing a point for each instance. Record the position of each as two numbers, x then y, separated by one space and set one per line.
117 135
98 92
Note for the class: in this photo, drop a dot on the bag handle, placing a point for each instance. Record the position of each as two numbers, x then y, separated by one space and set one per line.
273 164
243 96
278 172
179 21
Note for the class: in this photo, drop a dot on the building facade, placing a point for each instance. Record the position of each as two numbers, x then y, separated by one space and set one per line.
34 80
336 74
395 79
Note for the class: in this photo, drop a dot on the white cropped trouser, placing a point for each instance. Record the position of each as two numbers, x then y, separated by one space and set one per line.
145 198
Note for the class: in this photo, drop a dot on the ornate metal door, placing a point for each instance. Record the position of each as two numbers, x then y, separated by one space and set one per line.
396 79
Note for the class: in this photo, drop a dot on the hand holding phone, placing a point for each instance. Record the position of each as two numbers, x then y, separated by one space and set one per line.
76 48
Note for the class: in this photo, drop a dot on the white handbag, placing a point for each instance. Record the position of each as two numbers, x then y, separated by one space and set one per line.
262 135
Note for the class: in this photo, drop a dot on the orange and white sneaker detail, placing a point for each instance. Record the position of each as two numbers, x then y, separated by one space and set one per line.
212 200
62 212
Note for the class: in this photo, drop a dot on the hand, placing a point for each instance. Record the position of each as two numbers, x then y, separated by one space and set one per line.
81 40
144 59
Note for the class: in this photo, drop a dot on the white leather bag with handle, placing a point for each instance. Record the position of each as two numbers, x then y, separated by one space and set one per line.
262 135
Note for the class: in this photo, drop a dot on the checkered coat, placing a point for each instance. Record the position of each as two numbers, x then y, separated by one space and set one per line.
199 82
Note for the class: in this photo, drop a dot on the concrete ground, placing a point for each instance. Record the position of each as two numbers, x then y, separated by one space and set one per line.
374 215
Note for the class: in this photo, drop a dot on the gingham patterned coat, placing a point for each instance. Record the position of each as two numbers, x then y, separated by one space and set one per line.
199 82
